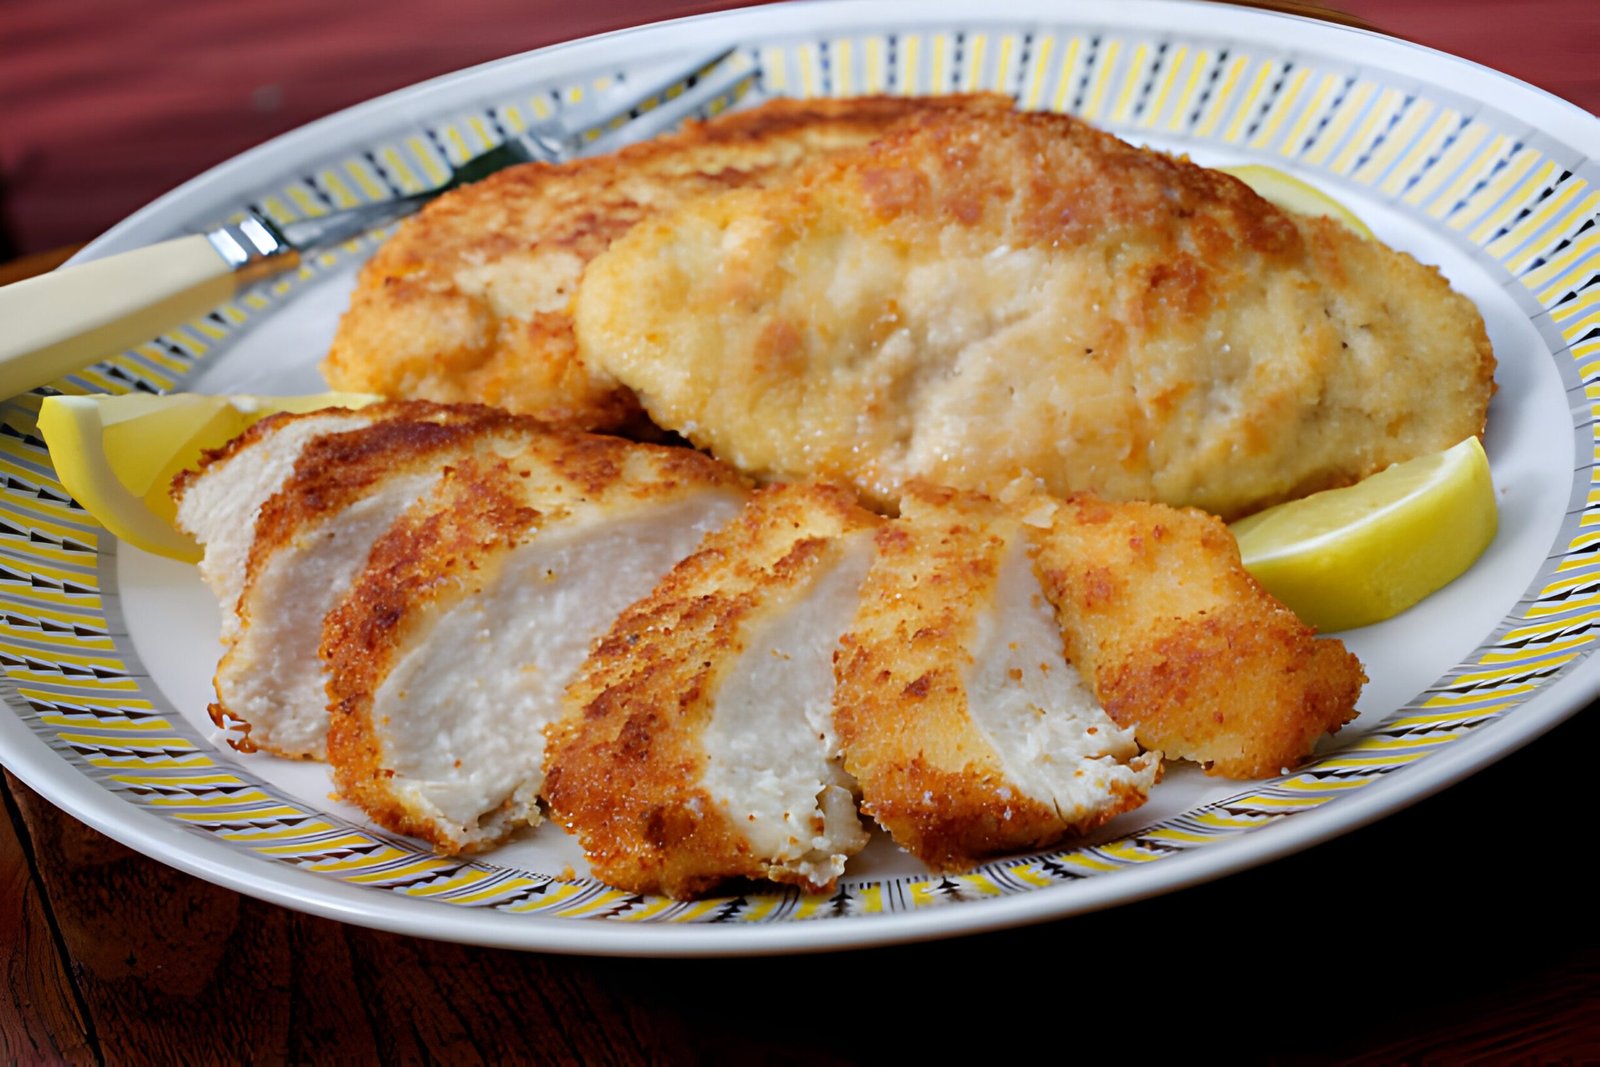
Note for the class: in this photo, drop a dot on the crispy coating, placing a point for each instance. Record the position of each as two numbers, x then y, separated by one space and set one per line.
219 500
626 764
1179 641
433 554
469 300
335 470
461 769
982 296
929 771
268 681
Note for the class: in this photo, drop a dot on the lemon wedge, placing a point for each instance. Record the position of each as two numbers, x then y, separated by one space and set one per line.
1292 194
117 455
1354 556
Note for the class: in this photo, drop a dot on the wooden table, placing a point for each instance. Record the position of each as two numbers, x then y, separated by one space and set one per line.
1460 929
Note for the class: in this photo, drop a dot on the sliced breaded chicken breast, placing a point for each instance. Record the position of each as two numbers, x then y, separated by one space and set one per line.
1180 643
218 504
698 744
983 296
470 299
451 653
969 732
309 541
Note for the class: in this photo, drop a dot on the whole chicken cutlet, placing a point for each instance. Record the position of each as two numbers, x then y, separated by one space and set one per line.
470 299
982 296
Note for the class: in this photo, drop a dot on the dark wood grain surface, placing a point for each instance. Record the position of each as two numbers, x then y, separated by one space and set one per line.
1459 930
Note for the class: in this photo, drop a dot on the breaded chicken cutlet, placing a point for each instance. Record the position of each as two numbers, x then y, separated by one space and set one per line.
975 672
985 296
470 299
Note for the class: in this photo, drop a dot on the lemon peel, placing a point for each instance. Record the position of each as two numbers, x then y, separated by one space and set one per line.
117 454
1355 556
1292 194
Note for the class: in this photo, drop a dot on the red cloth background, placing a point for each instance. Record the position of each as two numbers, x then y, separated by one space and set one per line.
106 104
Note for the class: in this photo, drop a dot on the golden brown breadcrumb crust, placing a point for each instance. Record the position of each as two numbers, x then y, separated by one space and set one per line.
331 471
927 773
266 427
1178 640
443 549
505 480
979 296
468 301
625 763
337 469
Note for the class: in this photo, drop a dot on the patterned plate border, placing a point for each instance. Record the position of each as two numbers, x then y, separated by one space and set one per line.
1522 204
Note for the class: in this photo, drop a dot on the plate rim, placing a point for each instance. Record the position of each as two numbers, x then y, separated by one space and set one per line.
148 833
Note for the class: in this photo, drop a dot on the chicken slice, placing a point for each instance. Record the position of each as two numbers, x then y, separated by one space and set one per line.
698 745
969 732
1180 643
218 504
450 655
309 540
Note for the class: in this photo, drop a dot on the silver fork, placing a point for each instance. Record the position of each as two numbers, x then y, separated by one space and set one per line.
59 322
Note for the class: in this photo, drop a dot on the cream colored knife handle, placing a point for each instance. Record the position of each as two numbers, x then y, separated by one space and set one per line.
62 321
